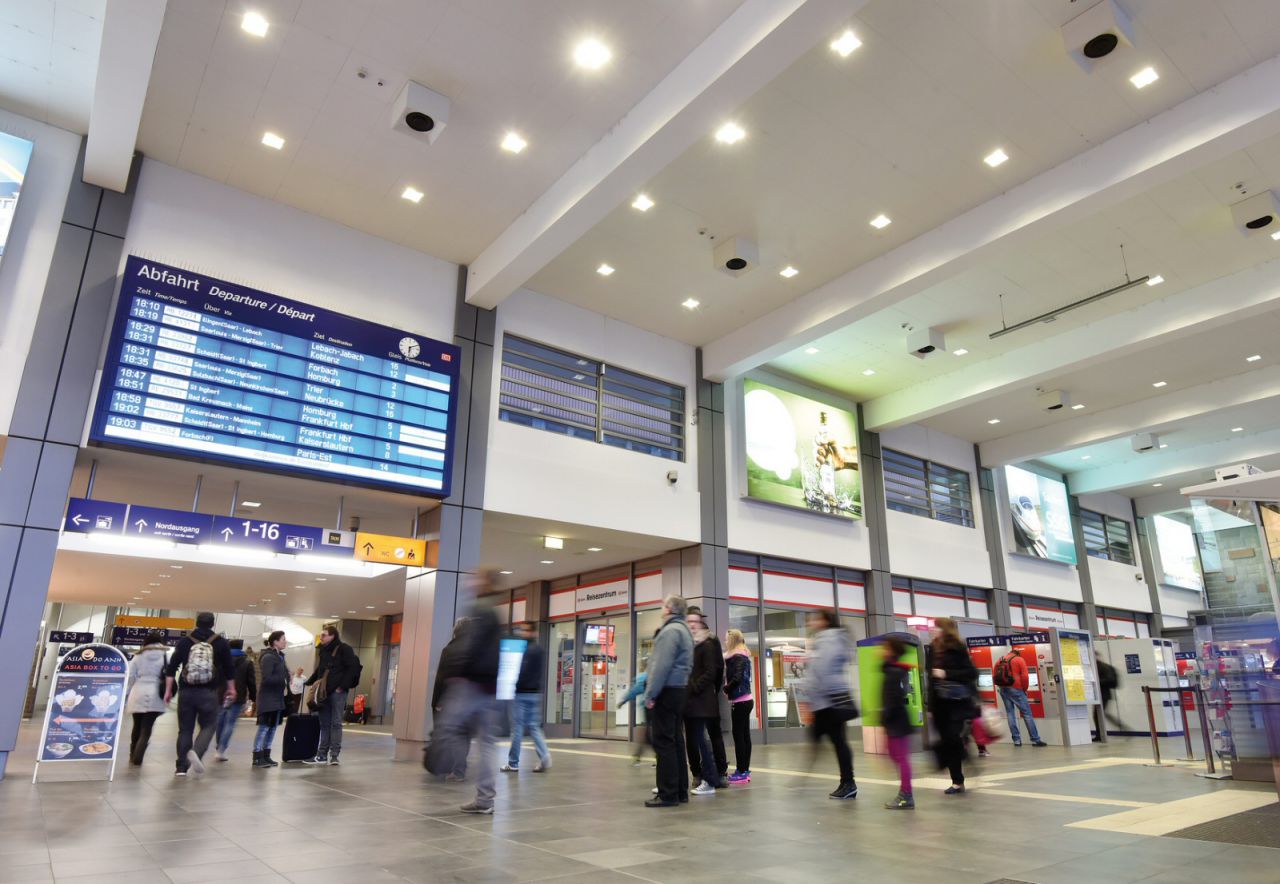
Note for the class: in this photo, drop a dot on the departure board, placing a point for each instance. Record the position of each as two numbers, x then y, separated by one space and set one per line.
203 368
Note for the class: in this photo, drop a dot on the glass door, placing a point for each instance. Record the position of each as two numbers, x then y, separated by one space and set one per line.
604 671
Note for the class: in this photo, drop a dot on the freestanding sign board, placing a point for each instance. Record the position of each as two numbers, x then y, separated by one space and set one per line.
86 708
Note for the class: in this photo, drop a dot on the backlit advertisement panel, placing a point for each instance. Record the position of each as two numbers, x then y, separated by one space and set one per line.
1041 517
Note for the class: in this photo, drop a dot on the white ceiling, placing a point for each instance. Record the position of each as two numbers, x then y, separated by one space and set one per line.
49 59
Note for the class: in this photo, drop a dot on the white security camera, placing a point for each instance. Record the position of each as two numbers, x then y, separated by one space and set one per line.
672 477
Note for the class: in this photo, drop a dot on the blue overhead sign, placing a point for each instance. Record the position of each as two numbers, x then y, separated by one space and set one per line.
276 536
175 525
95 516
203 368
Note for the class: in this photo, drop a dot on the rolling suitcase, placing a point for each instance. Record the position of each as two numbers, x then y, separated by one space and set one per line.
301 737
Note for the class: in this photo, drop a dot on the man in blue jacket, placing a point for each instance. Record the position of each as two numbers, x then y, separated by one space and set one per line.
670 663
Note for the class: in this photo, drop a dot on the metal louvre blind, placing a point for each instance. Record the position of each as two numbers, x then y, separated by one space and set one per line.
549 389
1095 534
1118 541
923 488
1106 537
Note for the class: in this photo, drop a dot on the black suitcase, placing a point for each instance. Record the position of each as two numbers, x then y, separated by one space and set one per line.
301 737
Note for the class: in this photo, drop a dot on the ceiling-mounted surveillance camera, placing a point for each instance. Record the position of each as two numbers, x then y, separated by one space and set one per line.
1096 33
736 255
420 112
1053 400
672 477
926 342
1145 442
1257 213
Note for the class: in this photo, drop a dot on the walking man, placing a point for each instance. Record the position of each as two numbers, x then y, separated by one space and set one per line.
206 677
1012 678
470 704
670 663
233 708
526 709
337 671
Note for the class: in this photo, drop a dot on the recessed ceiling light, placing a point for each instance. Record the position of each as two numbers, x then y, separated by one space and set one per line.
351 612
547 562
995 158
370 607
788 272
506 573
642 203
1157 484
1237 429
179 567
412 194
1087 457
321 579
153 584
960 352
513 143
994 421
299 587
730 133
1276 235
880 222
690 303
1144 77
1155 280
145 591
868 372
553 543
846 43
253 606
810 351
272 140
251 504
164 576
255 23
591 54
1254 358
1159 384
604 270
595 549
1077 406
1164 444
137 598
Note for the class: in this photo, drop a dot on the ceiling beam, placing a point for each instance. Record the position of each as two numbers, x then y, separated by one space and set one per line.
1205 128
760 40
1155 466
1250 292
1158 414
130 32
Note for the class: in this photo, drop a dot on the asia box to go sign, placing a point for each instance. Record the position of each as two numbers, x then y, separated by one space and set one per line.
389 550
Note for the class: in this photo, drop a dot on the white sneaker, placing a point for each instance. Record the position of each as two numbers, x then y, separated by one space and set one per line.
542 767
507 768
704 788
197 764
655 790
220 755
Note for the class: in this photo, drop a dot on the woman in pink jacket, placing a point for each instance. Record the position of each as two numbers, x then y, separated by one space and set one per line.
738 686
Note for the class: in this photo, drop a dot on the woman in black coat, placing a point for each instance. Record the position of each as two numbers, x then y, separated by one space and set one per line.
951 693
271 702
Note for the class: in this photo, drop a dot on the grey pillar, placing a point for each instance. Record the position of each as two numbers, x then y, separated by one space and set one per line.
998 606
1088 610
435 598
879 583
1144 539
48 421
712 557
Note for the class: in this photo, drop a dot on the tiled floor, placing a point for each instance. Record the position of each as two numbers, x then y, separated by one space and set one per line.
374 820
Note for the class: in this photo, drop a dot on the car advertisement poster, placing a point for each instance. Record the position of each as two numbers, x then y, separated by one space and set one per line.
15 155
1041 517
82 722
800 452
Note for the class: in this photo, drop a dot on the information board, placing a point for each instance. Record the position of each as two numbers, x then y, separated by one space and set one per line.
86 703
203 368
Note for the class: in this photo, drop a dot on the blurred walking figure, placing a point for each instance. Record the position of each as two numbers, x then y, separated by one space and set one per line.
446 670
827 696
637 690
895 718
233 708
739 688
526 708
470 702
146 693
704 738
670 663
951 698
271 697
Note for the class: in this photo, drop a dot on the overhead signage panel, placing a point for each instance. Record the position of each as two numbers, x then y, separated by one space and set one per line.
61 637
95 516
175 525
390 550
275 536
200 367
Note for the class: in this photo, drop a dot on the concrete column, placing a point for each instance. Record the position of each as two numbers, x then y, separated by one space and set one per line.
436 597
1088 610
712 556
1143 539
879 582
48 421
998 604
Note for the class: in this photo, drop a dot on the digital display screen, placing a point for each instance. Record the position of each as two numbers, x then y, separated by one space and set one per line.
510 657
599 635
1041 517
1179 561
207 369
800 452
15 156
985 680
1033 680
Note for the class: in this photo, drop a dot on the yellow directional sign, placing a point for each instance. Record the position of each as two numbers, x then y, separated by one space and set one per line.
155 622
388 550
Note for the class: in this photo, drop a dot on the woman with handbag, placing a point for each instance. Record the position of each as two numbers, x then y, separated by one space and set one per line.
825 691
146 692
951 698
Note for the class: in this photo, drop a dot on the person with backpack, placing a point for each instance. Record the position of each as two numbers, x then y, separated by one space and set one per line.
271 697
1011 676
739 688
233 708
337 672
207 676
146 692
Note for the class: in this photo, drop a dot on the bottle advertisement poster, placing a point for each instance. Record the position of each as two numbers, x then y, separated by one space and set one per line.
82 722
801 452
1041 517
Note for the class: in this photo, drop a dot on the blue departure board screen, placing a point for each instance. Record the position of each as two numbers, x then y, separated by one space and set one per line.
207 369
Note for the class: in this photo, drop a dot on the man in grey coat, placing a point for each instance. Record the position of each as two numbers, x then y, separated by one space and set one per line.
670 663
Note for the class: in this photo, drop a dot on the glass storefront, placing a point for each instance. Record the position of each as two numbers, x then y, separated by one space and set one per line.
560 673
604 670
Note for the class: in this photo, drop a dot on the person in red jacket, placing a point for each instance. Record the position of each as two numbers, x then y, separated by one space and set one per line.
1011 677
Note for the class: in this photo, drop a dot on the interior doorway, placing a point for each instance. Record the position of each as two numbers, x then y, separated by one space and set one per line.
604 673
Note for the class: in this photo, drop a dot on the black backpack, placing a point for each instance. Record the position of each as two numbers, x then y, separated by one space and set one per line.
1002 676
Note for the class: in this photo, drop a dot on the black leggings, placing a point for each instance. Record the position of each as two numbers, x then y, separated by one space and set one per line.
141 736
826 723
741 713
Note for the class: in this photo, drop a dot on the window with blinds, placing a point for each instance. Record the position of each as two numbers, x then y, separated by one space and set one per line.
549 389
1106 537
923 488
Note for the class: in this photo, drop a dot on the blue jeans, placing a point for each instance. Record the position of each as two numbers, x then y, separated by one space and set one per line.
227 719
526 717
1015 701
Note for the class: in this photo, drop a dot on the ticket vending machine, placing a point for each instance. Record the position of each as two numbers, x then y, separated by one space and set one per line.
870 681
1143 662
1188 675
987 650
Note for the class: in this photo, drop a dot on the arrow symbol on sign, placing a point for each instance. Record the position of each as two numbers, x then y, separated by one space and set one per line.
78 520
368 549
141 523
226 534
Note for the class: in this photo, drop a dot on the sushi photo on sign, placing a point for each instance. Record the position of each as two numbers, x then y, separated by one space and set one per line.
801 452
